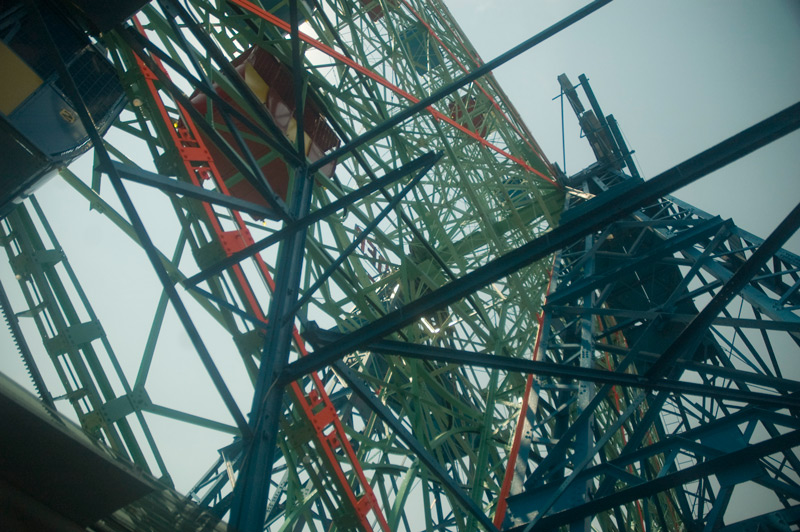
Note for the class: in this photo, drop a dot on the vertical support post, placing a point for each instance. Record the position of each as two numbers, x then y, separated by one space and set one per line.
586 389
584 81
251 494
252 486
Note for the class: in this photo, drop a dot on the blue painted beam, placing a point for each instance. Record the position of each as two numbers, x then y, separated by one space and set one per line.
161 182
666 248
750 454
319 337
251 493
619 151
691 337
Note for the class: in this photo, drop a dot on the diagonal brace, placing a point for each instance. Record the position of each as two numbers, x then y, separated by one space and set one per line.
321 213
382 411
161 182
549 369
692 335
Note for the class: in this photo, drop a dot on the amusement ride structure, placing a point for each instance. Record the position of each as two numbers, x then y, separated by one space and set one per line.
400 314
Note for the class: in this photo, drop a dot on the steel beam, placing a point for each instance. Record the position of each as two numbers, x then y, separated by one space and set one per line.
251 493
585 285
321 338
152 179
750 454
690 338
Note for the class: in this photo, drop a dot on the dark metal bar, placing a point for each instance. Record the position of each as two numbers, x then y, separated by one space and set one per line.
633 453
358 387
691 337
297 79
161 182
136 223
595 216
233 308
550 369
251 494
587 89
321 213
460 82
626 153
689 437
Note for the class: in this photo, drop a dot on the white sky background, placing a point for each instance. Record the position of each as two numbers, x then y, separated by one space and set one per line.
679 76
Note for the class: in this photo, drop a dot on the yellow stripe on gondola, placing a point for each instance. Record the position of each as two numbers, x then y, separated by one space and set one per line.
17 82
261 89
256 83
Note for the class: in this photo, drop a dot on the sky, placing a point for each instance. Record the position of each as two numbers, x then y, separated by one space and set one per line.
679 77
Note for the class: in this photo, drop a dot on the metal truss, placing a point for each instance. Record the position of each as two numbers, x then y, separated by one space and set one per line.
667 294
626 300
382 276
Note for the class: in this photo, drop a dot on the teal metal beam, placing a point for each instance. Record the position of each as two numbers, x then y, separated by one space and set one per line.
152 179
575 373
